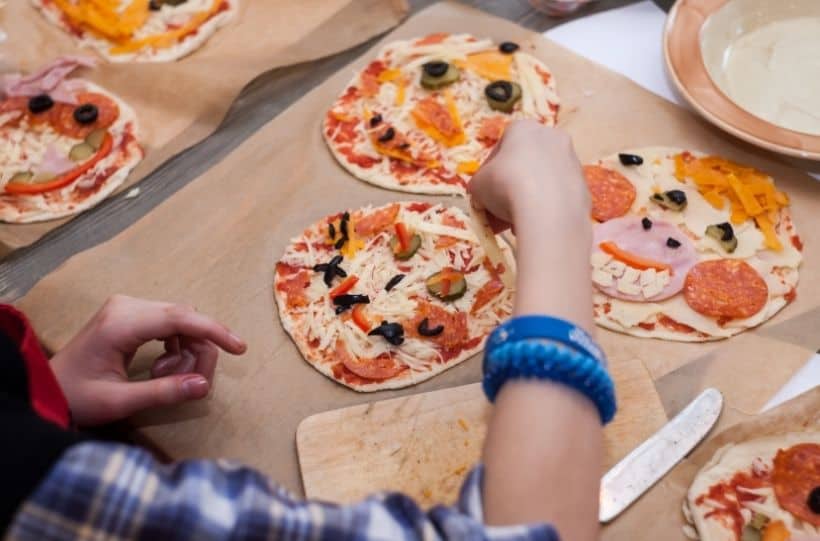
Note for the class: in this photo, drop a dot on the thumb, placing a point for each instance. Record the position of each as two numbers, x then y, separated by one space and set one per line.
139 395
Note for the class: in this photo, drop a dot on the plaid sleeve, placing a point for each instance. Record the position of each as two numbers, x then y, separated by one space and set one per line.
114 492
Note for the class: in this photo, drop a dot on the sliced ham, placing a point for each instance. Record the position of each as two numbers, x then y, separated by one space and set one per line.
629 234
49 80
54 163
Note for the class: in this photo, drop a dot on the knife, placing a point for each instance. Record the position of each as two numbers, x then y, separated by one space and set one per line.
647 464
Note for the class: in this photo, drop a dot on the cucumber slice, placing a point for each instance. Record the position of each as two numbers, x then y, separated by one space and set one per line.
415 244
447 285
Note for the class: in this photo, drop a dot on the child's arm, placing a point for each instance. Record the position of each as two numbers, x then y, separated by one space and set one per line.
543 451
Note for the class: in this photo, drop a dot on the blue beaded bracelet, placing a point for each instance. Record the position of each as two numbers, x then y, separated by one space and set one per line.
545 328
543 347
541 360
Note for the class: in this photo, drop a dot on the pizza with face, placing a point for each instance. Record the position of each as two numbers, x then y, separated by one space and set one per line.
139 30
67 143
687 246
382 298
426 113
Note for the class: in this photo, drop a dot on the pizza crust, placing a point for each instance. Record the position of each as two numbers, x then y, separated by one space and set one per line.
184 48
780 270
60 203
740 457
319 323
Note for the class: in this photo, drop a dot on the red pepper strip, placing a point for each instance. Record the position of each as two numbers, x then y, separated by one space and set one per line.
403 236
633 260
22 188
344 287
360 319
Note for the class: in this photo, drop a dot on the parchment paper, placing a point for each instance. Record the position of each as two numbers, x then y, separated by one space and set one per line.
215 242
658 515
179 103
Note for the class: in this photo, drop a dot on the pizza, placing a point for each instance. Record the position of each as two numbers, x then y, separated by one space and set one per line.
66 143
426 112
765 489
688 247
386 297
140 30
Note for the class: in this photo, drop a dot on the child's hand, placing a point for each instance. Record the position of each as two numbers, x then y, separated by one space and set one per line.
91 369
532 174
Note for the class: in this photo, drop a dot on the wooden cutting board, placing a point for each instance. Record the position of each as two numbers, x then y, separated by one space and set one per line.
424 444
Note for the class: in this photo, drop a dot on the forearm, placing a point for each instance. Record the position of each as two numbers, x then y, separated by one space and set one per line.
544 446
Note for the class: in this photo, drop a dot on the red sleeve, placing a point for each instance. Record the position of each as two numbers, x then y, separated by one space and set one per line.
46 397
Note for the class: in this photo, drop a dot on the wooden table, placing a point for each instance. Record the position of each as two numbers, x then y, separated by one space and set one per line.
260 101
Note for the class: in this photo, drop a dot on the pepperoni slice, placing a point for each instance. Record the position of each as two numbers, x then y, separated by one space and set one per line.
491 129
795 475
431 112
487 293
63 116
380 368
377 220
455 325
725 288
612 193
432 39
294 288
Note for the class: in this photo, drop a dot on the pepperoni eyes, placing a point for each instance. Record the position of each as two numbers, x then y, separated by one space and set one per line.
86 113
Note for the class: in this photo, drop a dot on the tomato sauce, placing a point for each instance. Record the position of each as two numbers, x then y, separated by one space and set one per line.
731 499
791 295
451 353
797 242
646 326
670 323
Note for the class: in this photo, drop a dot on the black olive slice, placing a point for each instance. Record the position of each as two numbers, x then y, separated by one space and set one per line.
155 5
86 113
331 231
646 223
499 90
672 243
630 159
671 200
393 282
392 332
40 103
331 269
814 501
425 330
375 120
388 134
508 47
340 243
436 68
349 300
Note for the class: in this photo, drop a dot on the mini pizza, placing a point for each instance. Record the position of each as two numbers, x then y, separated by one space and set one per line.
67 143
140 30
423 116
767 489
382 298
688 247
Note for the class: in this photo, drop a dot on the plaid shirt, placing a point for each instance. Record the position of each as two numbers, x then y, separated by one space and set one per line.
112 491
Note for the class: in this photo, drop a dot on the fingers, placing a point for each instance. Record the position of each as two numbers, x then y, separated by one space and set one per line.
131 397
190 355
133 322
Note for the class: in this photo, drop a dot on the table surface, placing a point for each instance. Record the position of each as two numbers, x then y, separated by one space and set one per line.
260 101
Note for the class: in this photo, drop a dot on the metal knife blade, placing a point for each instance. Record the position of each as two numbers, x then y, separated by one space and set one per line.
647 464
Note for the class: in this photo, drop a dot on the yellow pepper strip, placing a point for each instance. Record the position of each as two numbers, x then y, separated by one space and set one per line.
167 39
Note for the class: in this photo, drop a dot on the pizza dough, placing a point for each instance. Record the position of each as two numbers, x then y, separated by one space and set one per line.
372 289
772 476
129 31
658 274
48 169
399 127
